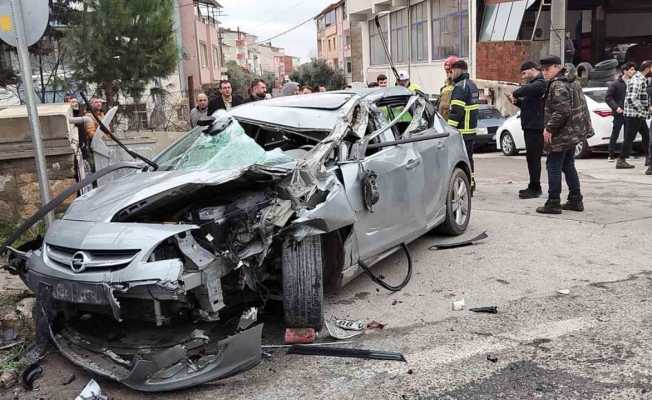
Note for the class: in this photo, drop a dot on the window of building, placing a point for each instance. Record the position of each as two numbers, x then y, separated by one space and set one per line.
503 21
335 43
203 54
331 18
377 54
349 65
450 33
319 47
399 39
419 21
347 39
344 11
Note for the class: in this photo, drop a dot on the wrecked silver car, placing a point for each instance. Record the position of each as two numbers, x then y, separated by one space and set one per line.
144 280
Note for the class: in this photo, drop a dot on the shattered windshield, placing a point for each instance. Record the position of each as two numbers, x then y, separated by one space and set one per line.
224 148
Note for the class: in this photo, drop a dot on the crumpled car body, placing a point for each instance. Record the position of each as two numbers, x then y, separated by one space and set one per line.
144 280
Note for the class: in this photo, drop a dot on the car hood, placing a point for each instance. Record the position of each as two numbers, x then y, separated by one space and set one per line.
490 122
101 204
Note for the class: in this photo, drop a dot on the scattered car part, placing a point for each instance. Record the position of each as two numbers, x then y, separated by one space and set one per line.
340 333
30 375
346 352
92 391
458 305
300 335
487 310
383 283
349 324
248 318
445 246
375 325
563 291
492 358
287 346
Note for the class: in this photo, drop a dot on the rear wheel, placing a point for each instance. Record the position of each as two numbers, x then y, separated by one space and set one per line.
507 144
458 205
303 289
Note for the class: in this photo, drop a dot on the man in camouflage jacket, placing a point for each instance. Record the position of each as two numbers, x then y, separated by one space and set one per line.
567 122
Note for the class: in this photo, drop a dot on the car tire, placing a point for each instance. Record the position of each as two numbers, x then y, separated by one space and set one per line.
602 75
458 199
303 288
507 144
582 150
606 65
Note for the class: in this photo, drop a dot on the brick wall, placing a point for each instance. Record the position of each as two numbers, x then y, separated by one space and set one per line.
501 61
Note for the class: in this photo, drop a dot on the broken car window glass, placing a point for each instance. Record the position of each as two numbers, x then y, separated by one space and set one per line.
227 147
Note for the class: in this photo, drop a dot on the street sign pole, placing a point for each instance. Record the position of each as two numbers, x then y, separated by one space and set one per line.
30 101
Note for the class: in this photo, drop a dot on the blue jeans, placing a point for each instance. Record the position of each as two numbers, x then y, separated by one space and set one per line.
558 162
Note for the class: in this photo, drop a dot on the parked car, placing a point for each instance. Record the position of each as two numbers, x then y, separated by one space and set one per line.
489 120
143 279
510 135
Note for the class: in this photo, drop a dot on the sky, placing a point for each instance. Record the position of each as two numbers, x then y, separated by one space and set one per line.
267 18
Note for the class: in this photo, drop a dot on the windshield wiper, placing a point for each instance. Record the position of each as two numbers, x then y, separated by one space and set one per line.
115 139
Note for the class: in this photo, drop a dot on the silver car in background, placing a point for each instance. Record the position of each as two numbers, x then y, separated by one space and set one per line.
151 279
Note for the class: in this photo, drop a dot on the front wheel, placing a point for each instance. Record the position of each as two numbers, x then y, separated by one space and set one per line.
582 149
458 205
303 289
507 144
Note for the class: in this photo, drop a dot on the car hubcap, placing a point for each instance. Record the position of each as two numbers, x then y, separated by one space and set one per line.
460 204
507 144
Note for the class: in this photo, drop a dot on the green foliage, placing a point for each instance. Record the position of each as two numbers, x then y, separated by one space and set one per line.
241 78
318 72
123 44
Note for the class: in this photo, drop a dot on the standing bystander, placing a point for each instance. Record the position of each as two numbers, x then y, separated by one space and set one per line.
91 125
381 80
616 101
257 91
636 111
567 122
200 110
225 100
444 102
529 98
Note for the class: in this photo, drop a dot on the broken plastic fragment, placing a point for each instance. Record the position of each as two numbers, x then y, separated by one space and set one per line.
248 318
92 391
458 305
563 291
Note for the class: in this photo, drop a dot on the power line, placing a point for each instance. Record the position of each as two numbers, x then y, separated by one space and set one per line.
286 31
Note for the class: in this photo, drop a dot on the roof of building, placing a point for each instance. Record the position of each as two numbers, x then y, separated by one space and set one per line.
329 8
211 3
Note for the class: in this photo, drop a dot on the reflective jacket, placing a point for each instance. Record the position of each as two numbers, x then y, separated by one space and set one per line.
465 100
445 99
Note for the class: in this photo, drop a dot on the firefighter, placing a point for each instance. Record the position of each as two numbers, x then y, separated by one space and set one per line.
463 113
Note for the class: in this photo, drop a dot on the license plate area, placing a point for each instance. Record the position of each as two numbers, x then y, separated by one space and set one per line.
79 293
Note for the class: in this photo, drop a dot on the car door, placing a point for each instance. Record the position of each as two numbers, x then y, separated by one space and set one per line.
399 180
434 156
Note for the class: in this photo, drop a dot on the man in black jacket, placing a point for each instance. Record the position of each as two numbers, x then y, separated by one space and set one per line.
257 91
616 101
225 100
529 98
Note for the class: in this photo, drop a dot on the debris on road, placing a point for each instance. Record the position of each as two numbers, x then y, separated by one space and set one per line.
300 335
31 375
563 291
492 358
458 305
346 353
8 379
287 346
69 379
486 310
248 318
344 329
445 246
373 325
92 391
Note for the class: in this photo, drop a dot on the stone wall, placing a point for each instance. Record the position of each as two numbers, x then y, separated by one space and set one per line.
19 189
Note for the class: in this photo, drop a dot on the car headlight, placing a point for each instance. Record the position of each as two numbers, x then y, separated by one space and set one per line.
482 131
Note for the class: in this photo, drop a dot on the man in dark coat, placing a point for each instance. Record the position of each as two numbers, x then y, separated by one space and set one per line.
616 101
257 91
225 100
529 98
567 122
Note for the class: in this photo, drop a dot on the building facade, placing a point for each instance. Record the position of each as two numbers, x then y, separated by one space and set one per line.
419 36
202 63
334 37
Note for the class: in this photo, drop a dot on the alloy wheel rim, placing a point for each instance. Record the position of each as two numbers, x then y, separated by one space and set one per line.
507 143
460 204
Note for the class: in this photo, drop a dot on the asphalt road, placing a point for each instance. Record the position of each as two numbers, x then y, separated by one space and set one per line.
593 343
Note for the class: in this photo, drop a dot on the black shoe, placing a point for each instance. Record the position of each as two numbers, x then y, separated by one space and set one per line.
529 193
551 207
575 204
622 164
648 171
611 158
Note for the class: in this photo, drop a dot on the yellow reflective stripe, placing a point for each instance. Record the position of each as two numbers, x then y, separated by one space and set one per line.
453 123
467 131
472 107
458 103
467 119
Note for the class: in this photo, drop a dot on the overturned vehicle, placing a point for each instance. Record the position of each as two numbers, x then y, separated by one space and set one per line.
144 280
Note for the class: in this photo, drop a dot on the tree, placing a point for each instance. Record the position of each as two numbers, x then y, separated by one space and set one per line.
318 72
122 45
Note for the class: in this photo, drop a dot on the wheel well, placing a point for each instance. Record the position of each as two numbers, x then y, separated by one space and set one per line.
464 167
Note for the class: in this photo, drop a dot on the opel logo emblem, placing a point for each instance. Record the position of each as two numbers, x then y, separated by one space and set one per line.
78 261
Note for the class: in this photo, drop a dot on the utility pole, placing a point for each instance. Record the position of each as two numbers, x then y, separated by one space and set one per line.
179 40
